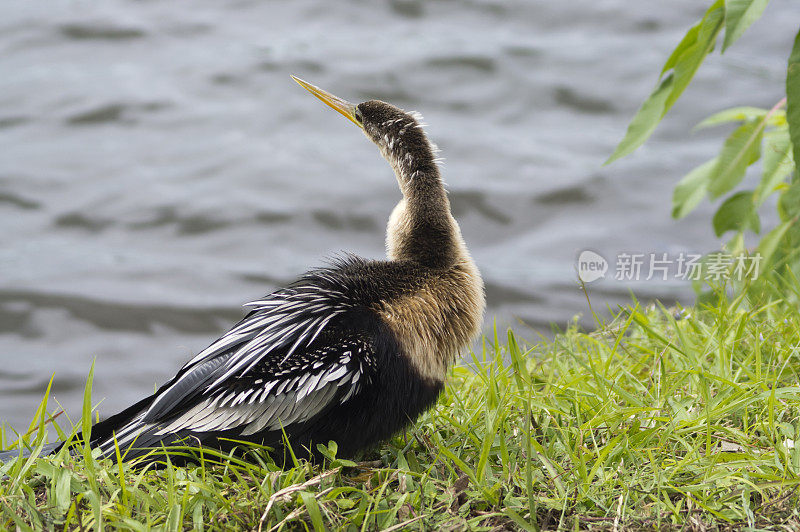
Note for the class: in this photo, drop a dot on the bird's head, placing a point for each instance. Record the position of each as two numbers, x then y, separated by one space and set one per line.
421 227
397 133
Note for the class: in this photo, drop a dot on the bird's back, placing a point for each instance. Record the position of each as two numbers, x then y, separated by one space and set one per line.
323 359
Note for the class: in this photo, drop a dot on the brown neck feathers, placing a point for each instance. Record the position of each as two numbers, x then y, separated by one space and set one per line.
421 227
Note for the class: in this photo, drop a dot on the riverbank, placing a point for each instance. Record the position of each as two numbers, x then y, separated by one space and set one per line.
660 418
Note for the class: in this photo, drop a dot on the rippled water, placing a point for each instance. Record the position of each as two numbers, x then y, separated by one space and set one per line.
158 167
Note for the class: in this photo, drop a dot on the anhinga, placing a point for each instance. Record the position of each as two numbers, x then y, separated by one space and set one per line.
353 352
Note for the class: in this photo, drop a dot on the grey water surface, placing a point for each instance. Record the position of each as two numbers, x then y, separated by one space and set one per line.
159 168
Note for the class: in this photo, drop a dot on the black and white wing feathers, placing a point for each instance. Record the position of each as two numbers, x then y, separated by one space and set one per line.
293 395
284 323
277 368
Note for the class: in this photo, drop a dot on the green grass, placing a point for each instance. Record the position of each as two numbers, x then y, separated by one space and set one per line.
650 422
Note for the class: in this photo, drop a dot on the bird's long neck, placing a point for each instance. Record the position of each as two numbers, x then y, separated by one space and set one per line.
421 227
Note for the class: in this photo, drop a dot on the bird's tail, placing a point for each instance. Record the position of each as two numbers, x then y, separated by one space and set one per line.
128 432
122 429
133 437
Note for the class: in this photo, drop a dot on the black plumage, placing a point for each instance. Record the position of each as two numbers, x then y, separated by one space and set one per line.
353 352
327 369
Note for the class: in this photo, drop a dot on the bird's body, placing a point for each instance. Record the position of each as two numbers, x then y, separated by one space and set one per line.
352 352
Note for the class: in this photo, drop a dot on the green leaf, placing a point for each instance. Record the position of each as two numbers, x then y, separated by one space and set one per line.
684 61
778 118
61 489
691 59
768 244
647 118
691 189
86 418
688 40
777 162
741 149
789 203
519 521
313 511
739 14
735 114
737 213
793 95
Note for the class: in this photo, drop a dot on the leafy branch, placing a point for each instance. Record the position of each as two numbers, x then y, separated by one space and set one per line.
771 136
735 16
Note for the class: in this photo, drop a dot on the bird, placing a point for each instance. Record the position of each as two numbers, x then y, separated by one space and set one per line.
352 352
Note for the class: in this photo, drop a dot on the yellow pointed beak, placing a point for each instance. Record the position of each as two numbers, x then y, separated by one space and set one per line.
343 106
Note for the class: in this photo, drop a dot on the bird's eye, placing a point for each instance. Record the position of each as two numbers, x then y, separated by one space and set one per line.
358 115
